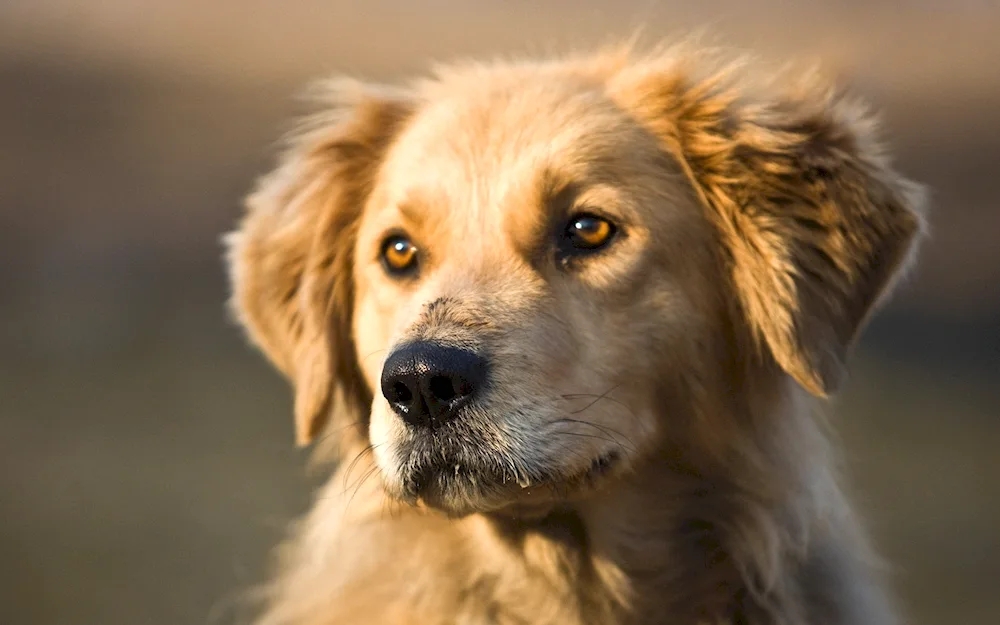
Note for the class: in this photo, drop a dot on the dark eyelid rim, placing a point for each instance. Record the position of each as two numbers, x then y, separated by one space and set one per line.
568 200
616 229
567 256
387 236
586 210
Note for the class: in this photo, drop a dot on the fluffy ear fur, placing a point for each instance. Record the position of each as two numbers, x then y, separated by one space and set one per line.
814 221
291 257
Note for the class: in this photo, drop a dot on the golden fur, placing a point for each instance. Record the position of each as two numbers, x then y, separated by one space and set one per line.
760 222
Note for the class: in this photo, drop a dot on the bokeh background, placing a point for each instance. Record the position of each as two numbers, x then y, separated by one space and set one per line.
146 459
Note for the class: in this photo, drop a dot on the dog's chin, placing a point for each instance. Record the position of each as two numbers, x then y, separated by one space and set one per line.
460 490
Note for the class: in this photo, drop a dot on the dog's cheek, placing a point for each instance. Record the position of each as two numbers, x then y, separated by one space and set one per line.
371 337
632 349
384 432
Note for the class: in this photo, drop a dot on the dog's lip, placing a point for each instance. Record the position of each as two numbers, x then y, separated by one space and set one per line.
600 465
598 468
604 463
422 478
433 479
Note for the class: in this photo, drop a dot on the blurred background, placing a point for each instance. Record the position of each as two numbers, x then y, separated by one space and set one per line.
146 458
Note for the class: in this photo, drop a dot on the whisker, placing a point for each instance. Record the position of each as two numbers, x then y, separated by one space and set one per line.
350 468
569 449
334 432
626 450
372 354
613 435
368 474
597 398
603 396
583 435
588 406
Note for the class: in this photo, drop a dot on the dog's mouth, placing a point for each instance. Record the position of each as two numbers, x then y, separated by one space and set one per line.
463 487
603 464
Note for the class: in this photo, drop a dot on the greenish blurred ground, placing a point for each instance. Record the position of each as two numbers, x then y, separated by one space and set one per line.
146 464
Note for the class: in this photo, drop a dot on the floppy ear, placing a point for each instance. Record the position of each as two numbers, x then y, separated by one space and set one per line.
814 222
291 257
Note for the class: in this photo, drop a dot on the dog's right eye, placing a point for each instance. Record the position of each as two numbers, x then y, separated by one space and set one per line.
399 255
589 232
584 234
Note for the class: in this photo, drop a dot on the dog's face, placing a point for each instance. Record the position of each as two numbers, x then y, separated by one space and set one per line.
515 293
522 277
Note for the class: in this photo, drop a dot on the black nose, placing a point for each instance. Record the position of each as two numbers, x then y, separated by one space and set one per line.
426 383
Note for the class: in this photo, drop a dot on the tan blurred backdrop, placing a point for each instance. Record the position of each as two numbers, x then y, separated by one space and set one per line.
146 463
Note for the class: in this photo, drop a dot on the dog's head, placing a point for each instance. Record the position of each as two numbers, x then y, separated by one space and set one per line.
513 281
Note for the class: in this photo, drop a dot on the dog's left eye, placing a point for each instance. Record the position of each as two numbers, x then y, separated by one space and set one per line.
399 255
586 232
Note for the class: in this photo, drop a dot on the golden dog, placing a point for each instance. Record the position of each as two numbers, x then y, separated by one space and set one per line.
566 320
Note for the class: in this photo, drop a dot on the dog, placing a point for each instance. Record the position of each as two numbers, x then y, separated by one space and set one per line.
563 325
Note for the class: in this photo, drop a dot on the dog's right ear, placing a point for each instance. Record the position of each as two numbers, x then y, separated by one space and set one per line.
290 259
815 223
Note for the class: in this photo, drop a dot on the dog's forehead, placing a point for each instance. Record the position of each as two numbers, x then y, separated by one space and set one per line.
482 148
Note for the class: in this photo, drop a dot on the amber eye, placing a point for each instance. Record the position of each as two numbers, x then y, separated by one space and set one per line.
399 255
589 232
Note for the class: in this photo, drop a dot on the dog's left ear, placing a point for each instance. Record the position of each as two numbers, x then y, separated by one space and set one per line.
814 221
291 258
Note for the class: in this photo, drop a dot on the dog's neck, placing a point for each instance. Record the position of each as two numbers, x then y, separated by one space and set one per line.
656 539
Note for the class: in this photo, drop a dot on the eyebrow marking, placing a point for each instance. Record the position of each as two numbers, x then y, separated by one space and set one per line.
413 209
560 197
551 201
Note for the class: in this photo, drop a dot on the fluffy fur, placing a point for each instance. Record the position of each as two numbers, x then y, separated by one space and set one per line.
759 224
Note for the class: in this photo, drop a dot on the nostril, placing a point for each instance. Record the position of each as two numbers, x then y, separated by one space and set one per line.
401 393
443 388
